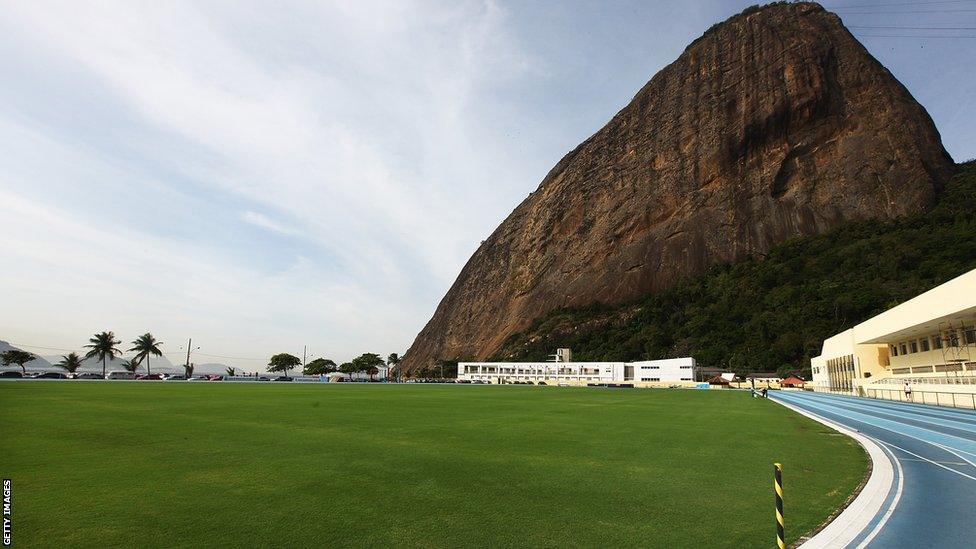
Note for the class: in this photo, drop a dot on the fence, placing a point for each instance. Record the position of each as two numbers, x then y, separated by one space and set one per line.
941 380
935 398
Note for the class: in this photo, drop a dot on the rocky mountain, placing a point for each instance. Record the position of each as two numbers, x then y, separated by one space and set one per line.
775 123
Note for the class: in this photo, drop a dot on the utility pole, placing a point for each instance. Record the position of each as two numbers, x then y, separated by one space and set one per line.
189 342
304 353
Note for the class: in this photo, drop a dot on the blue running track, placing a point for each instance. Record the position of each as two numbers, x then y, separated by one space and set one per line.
935 453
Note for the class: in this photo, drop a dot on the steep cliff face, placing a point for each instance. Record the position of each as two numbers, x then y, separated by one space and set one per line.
775 123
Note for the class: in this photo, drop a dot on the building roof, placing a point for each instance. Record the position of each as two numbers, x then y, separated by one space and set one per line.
792 380
953 302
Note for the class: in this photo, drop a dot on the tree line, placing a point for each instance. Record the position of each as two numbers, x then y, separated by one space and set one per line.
367 363
102 347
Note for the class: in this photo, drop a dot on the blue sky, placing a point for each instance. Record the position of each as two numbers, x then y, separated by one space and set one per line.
318 173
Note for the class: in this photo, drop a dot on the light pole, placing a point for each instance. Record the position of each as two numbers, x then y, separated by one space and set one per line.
189 347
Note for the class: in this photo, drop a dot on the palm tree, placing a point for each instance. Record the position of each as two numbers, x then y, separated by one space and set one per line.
146 345
392 361
231 371
70 362
103 346
130 365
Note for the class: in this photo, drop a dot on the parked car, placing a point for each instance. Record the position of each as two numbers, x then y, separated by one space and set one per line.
12 374
198 378
120 374
89 375
283 378
150 377
53 375
215 377
176 377
264 378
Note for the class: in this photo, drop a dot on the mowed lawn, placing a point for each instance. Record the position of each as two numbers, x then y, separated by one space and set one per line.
230 464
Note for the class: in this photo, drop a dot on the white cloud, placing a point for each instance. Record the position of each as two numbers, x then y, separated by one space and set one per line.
355 127
265 222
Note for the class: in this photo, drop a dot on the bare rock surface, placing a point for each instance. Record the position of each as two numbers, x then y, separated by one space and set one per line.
773 124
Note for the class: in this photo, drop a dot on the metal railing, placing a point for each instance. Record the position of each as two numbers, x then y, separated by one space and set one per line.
935 398
941 380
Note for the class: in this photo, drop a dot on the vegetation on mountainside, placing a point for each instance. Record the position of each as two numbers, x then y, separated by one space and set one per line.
773 313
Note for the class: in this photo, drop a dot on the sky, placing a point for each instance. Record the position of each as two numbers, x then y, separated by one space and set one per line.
263 176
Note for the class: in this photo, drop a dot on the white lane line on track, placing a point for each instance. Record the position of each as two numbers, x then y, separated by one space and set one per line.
957 454
894 502
942 462
865 407
855 519
936 444
936 463
915 408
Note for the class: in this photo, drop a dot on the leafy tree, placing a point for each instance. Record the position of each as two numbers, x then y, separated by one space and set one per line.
188 368
18 357
282 362
103 346
348 368
447 369
368 363
392 361
130 365
146 345
320 366
70 362
231 371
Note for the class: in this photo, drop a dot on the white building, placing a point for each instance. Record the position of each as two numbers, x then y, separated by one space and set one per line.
929 339
647 371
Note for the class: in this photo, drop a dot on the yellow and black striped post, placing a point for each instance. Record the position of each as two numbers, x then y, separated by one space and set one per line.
778 485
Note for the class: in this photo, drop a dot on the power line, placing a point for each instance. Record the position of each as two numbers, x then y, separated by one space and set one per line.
892 4
12 344
907 28
40 347
198 353
902 12
911 36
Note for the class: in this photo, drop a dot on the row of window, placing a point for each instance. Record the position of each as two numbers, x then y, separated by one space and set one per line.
938 341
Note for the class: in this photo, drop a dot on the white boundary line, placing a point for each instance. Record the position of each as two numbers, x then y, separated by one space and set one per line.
857 516
894 502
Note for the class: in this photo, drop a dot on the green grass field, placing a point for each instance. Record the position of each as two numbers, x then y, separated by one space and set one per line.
221 464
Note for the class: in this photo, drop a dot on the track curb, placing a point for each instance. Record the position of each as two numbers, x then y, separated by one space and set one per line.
860 513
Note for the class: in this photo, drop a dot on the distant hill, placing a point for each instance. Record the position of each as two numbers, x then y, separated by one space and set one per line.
159 364
772 312
39 363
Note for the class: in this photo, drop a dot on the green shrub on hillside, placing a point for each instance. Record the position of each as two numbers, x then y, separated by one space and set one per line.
773 314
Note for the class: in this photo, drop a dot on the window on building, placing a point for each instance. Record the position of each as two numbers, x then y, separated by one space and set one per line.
925 344
686 367
953 339
650 379
894 350
970 336
904 349
937 342
913 346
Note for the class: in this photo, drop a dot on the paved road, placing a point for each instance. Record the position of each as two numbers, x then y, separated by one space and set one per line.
934 450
